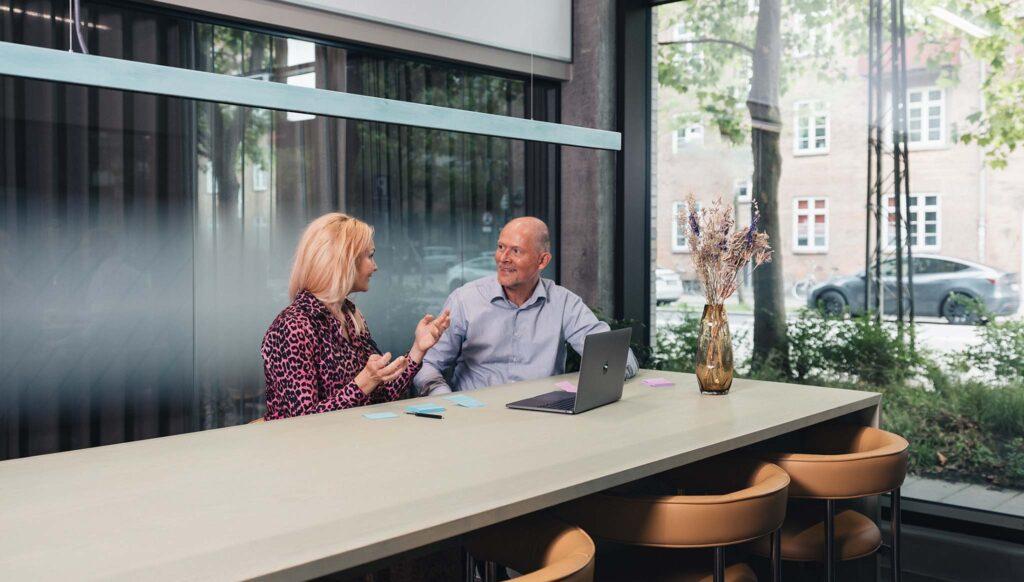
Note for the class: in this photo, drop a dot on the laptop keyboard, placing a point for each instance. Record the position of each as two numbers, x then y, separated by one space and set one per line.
565 403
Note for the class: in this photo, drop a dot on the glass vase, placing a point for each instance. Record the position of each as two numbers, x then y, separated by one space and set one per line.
714 351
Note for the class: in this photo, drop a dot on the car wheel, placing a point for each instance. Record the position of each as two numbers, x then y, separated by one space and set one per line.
832 303
956 312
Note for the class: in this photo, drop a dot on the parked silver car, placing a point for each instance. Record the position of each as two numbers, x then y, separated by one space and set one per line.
668 286
938 281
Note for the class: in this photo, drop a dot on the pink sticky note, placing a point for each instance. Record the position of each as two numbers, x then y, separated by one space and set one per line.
658 382
567 386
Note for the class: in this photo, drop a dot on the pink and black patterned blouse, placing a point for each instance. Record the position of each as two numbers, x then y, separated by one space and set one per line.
311 366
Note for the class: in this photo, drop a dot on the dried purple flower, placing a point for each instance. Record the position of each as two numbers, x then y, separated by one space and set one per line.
720 253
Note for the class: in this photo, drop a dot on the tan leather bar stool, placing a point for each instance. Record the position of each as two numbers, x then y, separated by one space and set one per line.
840 462
543 548
713 504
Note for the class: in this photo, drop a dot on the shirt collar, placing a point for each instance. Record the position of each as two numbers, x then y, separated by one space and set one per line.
497 292
309 303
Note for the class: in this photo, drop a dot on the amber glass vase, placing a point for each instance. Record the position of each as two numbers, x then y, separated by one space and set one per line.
714 351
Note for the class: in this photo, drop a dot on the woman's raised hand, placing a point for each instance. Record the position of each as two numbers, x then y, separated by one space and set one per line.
380 370
428 331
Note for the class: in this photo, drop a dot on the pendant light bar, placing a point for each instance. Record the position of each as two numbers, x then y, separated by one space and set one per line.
94 71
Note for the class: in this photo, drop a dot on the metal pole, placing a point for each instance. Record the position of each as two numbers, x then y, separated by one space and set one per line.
896 521
898 131
719 575
871 129
830 542
906 176
877 73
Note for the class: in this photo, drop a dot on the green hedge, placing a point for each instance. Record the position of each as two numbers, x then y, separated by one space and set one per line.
958 428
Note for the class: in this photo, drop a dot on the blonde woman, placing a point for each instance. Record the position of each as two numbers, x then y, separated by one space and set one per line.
318 354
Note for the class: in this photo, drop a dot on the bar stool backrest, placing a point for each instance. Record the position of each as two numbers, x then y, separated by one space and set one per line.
541 547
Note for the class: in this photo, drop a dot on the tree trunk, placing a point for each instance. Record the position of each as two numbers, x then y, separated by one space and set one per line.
771 345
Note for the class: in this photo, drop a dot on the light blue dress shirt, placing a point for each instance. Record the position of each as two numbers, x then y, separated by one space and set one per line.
491 341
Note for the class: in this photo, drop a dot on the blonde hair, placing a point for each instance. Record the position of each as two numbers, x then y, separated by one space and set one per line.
325 262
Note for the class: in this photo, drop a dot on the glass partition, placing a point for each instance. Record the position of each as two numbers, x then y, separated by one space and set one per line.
147 241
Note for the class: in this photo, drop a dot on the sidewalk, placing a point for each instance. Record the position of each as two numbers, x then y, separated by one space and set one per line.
966 495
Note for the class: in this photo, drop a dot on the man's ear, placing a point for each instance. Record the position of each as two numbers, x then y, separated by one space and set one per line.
545 258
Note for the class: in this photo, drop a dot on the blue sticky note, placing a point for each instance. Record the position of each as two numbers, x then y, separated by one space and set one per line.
380 415
465 401
429 408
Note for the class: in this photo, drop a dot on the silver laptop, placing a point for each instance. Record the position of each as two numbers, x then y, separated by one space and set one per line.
602 374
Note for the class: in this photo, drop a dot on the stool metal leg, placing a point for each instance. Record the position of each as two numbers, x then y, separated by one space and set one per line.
469 567
490 571
895 520
776 555
719 564
830 542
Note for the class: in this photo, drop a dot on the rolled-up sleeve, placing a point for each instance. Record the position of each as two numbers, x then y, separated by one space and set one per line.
441 357
578 321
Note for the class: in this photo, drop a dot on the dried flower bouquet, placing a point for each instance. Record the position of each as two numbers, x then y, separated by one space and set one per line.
718 253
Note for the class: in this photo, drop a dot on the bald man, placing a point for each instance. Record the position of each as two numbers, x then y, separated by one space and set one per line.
512 326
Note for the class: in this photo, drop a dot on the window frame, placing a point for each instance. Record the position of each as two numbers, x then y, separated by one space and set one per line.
681 139
746 183
811 212
926 144
919 213
816 107
676 230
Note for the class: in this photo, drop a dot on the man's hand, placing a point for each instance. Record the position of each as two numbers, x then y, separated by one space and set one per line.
379 371
428 331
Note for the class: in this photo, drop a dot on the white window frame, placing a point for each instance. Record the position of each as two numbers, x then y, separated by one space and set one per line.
811 212
677 207
919 210
688 135
923 106
743 183
260 178
815 109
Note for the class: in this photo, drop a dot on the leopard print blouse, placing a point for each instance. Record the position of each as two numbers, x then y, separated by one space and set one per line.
310 365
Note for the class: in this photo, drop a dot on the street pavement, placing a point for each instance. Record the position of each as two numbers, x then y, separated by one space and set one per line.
932 333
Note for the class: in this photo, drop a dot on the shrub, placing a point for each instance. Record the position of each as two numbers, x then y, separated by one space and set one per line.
860 349
1000 353
675 347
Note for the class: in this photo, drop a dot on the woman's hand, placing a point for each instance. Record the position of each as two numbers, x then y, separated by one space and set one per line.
379 371
428 331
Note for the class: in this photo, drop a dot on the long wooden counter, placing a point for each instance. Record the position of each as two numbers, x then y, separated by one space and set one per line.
303 497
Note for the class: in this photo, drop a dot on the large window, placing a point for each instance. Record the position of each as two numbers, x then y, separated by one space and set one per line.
798 130
146 242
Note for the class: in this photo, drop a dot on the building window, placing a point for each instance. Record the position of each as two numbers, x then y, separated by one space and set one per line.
926 117
922 215
810 225
811 133
742 190
260 178
689 135
681 229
